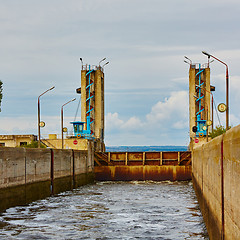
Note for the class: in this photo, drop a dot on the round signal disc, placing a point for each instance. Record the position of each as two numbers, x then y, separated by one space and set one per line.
42 124
222 107
209 122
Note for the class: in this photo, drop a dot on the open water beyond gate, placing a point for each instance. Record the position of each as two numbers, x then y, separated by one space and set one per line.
110 210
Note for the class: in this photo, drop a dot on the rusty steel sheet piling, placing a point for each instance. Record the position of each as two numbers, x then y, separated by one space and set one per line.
156 166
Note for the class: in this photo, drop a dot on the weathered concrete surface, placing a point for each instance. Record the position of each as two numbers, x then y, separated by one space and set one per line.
38 164
155 173
82 144
12 167
31 174
231 151
216 177
207 182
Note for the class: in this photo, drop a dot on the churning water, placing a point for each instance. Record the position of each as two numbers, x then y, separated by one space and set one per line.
110 210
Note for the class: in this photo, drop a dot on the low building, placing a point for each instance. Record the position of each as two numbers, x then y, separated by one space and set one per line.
72 142
16 140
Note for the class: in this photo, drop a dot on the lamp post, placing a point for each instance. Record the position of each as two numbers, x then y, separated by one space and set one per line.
105 64
39 127
188 60
62 118
227 89
101 61
81 62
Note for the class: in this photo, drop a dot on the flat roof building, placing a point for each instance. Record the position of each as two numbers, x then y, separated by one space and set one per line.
16 140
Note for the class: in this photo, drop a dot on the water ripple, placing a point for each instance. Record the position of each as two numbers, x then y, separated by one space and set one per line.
110 210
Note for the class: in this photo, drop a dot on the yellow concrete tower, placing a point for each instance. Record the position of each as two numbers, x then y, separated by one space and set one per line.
92 102
199 103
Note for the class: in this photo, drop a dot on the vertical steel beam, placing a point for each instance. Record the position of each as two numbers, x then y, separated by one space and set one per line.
161 159
126 158
144 158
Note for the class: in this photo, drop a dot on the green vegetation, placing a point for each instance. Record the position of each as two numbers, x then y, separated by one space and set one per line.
219 130
33 144
1 95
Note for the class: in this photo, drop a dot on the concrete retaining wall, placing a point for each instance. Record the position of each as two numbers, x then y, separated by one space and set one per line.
216 178
31 174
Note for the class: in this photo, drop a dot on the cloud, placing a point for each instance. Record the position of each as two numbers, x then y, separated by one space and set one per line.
113 121
170 110
41 42
133 123
165 117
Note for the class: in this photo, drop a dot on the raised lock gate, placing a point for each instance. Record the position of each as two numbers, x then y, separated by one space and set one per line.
156 166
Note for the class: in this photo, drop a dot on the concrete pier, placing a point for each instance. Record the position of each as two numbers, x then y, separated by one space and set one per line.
216 178
31 174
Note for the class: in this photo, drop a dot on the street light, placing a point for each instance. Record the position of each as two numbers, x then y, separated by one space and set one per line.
39 135
102 61
62 118
188 60
227 90
81 62
105 64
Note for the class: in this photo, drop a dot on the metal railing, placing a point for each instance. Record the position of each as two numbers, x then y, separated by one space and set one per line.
199 65
91 67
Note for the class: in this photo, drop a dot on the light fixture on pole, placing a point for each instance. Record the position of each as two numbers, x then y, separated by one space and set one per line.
227 87
101 61
62 118
81 62
39 124
105 64
188 60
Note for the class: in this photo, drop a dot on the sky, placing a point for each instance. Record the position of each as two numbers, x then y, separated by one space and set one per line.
146 80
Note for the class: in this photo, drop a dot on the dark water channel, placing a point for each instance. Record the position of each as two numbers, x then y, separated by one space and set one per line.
110 210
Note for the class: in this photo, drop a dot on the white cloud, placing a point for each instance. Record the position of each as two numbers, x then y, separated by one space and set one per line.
41 42
180 124
172 113
113 121
170 110
133 123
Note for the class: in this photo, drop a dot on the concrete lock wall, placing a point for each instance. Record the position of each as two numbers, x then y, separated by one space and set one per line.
31 174
216 177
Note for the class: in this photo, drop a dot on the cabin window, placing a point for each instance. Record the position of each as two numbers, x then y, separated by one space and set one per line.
75 128
23 143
